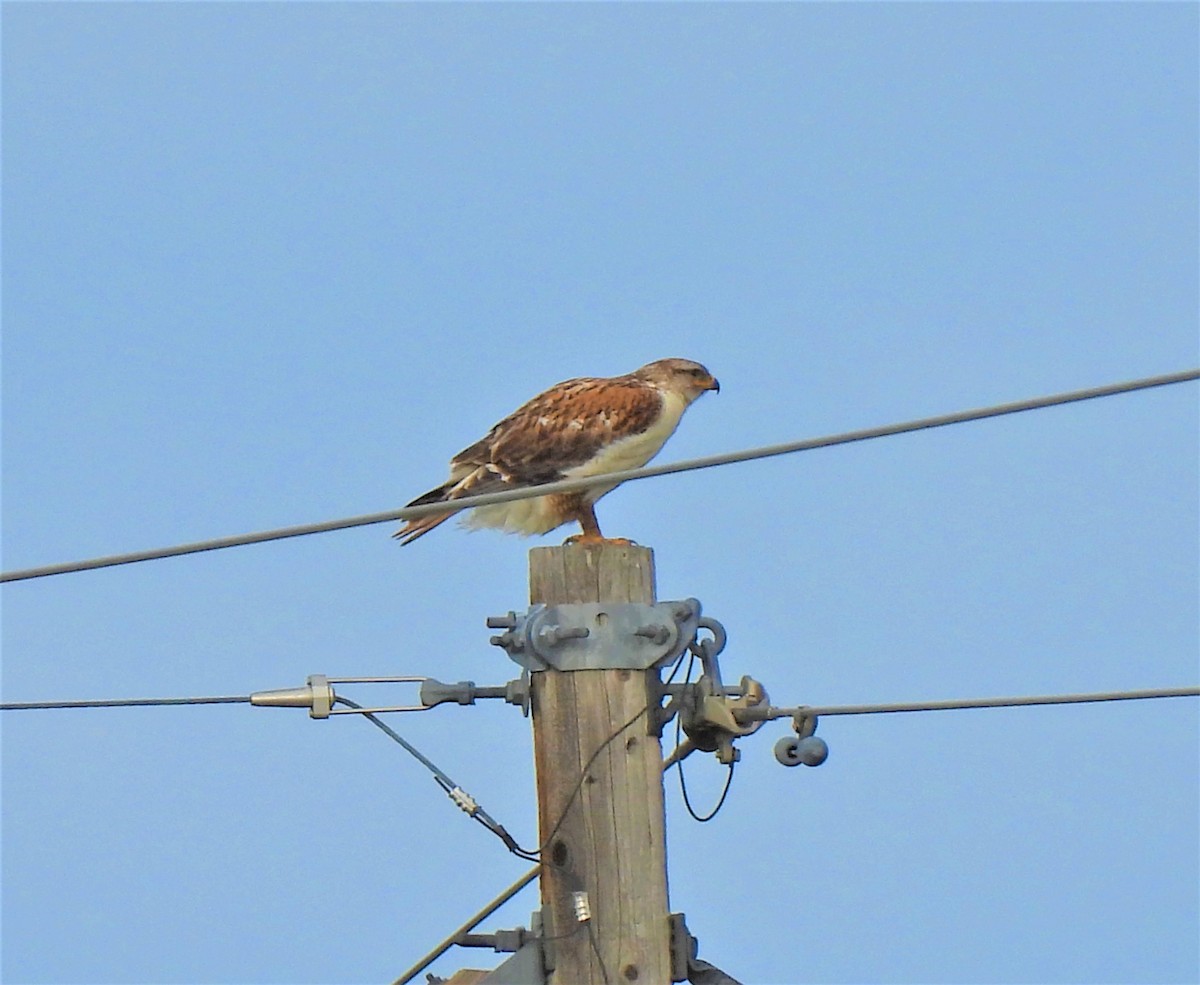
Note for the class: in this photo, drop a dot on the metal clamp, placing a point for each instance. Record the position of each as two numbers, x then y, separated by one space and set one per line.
435 692
598 635
805 748
317 696
708 716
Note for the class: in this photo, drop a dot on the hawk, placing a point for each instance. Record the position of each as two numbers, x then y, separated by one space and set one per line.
588 426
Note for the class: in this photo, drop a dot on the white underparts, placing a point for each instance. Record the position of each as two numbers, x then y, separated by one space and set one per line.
543 514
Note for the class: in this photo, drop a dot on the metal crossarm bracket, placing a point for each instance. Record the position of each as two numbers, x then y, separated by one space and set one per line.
598 635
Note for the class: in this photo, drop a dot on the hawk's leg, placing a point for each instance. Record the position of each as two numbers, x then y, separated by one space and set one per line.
585 513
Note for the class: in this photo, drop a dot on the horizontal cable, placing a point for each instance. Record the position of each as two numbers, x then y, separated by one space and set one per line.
743 714
760 714
818 711
608 478
121 703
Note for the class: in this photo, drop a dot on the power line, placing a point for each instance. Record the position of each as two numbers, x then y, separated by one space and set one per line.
608 478
120 703
819 711
470 924
745 714
682 750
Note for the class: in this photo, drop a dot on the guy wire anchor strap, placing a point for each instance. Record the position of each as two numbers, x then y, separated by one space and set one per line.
319 697
601 635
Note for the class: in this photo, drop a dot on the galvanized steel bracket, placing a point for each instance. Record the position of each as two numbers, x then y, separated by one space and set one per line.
598 635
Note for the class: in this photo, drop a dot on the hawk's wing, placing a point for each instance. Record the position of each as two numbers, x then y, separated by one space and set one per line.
555 434
564 428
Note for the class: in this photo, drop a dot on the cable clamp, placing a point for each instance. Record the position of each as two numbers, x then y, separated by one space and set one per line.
317 696
463 800
709 715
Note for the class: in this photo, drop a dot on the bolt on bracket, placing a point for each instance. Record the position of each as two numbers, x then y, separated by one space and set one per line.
598 635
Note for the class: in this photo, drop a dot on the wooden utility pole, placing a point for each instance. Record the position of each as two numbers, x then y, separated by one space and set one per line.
609 838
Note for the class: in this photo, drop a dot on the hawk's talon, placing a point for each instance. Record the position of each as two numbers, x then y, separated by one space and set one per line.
577 539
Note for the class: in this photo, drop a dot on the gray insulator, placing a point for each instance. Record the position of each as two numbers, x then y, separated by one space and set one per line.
793 751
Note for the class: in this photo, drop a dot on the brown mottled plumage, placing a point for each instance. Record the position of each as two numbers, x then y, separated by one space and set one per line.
580 427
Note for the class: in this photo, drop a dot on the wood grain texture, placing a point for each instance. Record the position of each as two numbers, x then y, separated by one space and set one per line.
611 841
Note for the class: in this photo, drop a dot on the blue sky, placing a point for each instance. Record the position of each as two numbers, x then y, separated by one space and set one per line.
269 264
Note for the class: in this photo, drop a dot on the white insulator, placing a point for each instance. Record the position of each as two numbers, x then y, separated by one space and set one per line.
583 909
464 800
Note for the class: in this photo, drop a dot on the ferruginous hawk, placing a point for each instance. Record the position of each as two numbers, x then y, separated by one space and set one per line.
582 427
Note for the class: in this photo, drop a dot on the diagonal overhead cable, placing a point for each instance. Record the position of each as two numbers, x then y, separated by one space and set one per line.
608 478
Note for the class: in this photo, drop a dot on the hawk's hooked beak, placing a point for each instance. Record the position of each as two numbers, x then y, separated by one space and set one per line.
713 385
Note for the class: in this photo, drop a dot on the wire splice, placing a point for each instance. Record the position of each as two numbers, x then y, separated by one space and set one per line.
464 801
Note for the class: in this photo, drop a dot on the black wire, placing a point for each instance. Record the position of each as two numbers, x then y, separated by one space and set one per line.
583 776
720 802
546 938
596 950
569 874
444 781
679 763
395 736
592 759
591 932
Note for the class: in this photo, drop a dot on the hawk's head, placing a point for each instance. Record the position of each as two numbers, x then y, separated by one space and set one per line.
688 379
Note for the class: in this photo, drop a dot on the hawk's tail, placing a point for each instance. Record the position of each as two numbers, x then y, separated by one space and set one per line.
413 529
486 478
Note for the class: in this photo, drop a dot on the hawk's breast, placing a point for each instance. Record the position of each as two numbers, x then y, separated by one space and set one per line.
632 451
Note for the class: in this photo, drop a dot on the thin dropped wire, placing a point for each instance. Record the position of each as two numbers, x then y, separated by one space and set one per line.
537 853
569 874
540 853
579 925
720 800
608 478
596 949
678 762
545 843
